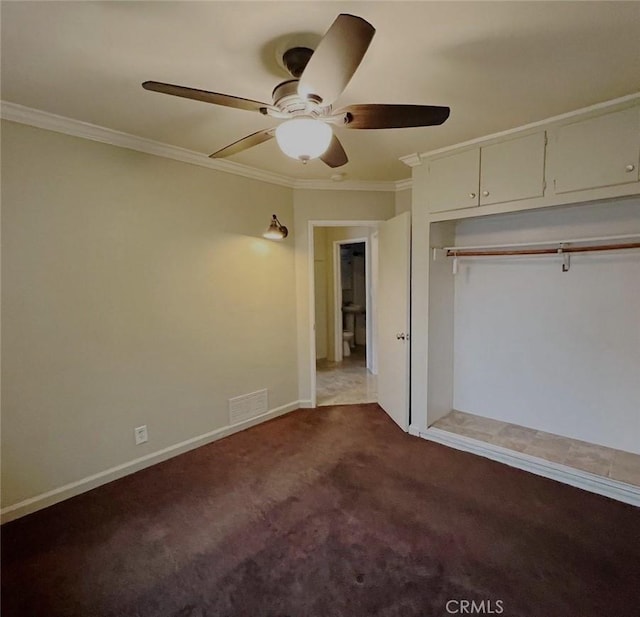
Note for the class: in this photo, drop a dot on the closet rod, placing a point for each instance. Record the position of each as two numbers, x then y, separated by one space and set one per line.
451 252
547 243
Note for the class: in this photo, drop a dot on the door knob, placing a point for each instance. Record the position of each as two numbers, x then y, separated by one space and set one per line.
629 167
400 336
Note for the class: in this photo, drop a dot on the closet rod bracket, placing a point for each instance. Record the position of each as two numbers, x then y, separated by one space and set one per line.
566 257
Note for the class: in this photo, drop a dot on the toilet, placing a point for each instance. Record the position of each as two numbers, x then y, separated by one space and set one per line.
347 343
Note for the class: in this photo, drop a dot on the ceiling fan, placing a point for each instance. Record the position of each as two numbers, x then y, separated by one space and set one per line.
304 103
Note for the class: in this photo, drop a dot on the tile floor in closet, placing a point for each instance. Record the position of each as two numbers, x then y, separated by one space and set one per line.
599 460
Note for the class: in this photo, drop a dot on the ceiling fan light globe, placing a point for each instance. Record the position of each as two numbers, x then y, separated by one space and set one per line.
304 138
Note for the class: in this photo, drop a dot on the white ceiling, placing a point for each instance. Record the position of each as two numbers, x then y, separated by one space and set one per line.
498 65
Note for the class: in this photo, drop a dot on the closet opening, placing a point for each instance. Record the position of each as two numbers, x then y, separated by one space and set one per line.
534 338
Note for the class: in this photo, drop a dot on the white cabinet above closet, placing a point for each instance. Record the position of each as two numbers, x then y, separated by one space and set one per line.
588 155
504 171
600 151
512 169
453 181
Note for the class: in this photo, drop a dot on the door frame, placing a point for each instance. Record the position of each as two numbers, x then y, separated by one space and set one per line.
311 225
337 296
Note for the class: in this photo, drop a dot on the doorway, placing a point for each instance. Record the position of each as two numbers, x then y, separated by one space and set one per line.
389 274
344 315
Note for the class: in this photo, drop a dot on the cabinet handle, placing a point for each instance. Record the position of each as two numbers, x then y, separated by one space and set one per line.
472 195
629 167
485 193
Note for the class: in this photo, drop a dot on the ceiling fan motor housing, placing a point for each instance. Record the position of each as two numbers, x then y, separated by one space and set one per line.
286 99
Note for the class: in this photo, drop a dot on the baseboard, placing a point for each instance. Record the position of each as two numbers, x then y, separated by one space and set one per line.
306 405
72 489
621 491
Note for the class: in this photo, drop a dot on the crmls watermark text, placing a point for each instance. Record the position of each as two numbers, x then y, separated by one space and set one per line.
474 607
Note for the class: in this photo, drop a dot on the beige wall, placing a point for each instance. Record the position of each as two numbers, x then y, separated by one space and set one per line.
318 205
403 201
136 290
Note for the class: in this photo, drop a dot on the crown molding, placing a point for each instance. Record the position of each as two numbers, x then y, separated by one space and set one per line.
621 101
85 130
412 160
93 132
345 185
404 185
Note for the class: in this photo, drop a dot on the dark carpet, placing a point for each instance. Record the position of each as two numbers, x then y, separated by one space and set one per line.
327 512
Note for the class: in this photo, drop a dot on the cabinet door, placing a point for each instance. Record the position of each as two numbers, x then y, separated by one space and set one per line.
600 151
453 181
513 169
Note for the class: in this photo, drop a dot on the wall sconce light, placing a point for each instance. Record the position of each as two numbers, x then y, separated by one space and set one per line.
276 230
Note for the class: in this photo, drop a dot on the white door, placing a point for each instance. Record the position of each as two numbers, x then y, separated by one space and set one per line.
393 317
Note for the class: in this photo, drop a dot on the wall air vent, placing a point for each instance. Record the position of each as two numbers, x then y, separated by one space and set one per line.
247 406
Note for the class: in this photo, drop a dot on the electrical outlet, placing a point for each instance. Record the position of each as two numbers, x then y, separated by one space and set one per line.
140 433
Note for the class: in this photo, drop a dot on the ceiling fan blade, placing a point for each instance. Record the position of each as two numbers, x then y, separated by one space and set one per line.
255 139
205 96
335 156
382 116
336 58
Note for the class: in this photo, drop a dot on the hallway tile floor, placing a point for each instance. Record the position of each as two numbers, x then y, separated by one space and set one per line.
346 382
599 460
